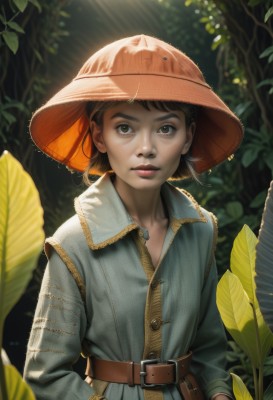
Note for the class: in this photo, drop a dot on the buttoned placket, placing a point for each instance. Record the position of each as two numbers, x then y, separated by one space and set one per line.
153 310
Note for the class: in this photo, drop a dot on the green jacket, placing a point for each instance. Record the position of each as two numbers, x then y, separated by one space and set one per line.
100 293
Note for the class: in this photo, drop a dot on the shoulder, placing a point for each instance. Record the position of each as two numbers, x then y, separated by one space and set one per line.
208 215
68 237
211 224
183 207
199 224
69 230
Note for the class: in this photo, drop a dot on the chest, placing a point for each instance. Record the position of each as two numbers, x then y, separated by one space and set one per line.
155 243
120 280
118 292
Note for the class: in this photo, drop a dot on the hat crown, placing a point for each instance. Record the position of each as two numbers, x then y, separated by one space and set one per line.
141 55
135 68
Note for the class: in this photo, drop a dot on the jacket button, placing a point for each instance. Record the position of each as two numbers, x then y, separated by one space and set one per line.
152 355
155 324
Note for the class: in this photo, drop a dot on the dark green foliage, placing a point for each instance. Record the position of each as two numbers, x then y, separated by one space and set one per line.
236 190
240 365
31 31
183 30
243 32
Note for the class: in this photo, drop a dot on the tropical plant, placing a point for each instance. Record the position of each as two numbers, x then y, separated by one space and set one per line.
21 241
30 33
264 261
242 36
241 314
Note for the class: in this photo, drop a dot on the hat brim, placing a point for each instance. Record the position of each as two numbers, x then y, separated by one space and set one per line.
58 128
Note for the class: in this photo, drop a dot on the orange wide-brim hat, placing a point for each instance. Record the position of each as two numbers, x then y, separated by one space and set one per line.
135 68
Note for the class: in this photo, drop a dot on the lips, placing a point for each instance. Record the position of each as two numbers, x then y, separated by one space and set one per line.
145 167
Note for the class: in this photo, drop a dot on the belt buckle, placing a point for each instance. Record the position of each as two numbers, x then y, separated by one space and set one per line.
143 373
175 363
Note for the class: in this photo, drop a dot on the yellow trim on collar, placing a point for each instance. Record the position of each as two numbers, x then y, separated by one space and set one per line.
88 235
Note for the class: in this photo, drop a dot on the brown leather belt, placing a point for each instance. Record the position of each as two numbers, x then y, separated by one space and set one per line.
147 373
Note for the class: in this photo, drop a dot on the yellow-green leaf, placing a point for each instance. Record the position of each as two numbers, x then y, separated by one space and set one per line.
242 261
237 315
21 232
239 389
17 388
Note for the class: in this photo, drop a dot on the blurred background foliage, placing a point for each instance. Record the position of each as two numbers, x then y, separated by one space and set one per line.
242 37
42 46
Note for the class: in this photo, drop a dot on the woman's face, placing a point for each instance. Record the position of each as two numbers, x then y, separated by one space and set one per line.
143 146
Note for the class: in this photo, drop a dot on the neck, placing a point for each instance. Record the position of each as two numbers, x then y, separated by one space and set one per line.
145 206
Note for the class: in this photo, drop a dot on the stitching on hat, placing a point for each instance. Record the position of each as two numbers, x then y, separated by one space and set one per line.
146 74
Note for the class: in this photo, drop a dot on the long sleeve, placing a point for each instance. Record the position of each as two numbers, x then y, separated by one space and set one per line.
209 346
55 341
98 246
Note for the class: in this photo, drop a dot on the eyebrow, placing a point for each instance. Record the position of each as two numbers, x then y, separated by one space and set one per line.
131 118
125 116
167 116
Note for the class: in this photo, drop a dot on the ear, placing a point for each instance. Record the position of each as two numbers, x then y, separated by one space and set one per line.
190 131
97 137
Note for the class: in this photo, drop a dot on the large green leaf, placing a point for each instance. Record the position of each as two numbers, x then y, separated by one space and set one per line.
237 314
268 394
242 260
21 233
239 389
264 261
17 388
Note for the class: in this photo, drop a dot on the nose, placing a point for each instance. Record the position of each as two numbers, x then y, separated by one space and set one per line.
146 145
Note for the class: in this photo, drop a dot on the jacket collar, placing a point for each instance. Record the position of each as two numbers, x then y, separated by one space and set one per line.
105 220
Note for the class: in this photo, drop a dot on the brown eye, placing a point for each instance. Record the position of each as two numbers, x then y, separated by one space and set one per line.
167 129
124 129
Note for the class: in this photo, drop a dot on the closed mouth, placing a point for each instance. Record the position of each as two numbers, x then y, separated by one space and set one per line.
146 168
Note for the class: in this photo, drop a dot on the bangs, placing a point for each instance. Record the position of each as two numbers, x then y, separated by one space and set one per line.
95 110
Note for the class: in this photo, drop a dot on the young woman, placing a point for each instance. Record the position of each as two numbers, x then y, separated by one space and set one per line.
131 277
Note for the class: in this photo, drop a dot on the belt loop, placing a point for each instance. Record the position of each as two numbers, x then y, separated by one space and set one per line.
130 373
